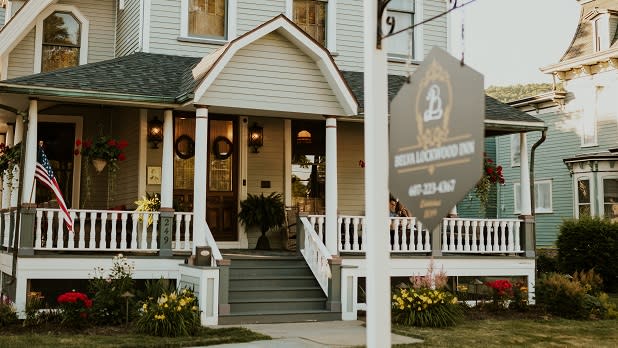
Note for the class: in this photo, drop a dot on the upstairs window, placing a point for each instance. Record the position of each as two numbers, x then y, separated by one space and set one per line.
310 15
542 196
61 42
207 18
402 11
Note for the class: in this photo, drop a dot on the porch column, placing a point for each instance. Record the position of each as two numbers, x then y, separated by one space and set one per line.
331 185
17 138
524 170
6 193
30 159
167 162
199 176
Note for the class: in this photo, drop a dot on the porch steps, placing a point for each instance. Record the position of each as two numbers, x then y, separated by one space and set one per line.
274 289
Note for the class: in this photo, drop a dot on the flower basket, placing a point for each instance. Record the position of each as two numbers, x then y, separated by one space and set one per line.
99 164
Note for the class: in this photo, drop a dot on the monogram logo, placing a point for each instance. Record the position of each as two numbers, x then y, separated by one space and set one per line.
434 109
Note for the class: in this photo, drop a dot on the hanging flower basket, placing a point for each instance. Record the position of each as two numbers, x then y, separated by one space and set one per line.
99 164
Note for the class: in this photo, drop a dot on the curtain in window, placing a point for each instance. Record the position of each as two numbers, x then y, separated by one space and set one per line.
310 15
207 18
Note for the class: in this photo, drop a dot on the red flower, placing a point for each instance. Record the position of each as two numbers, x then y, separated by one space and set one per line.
111 142
361 163
122 157
78 142
76 152
122 144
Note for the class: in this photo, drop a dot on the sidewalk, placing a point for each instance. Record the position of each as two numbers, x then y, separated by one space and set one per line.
312 334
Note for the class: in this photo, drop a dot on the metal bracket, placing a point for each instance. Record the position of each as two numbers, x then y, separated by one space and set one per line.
382 4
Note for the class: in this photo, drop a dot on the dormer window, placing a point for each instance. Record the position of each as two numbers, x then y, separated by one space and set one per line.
61 41
601 34
603 25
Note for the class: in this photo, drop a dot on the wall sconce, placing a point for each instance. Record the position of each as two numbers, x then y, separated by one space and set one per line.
303 137
256 137
155 132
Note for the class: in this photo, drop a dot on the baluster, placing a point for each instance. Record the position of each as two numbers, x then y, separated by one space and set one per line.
445 225
103 231
82 230
346 230
516 232
112 238
503 242
355 233
60 230
510 237
419 235
495 228
395 232
459 235
5 220
37 238
321 228
404 233
188 240
427 240
134 217
177 220
474 232
72 242
467 235
144 237
155 222
451 246
49 243
482 235
363 246
123 232
93 230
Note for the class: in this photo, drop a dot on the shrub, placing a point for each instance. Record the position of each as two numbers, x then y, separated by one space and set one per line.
520 296
74 308
8 315
109 307
546 262
589 243
170 315
425 307
501 291
37 312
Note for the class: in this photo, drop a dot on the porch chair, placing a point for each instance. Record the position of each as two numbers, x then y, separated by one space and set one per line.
289 230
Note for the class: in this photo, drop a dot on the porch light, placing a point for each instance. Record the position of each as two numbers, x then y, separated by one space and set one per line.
303 137
155 132
256 137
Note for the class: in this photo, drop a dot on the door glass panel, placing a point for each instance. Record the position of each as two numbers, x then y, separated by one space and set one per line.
221 140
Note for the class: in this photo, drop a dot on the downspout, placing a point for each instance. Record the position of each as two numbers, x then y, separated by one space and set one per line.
532 152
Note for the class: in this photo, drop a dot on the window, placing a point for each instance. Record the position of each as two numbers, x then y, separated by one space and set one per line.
610 198
207 18
600 33
61 41
583 198
515 150
589 120
310 15
542 197
401 45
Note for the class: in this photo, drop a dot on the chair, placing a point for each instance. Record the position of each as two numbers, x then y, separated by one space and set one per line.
289 237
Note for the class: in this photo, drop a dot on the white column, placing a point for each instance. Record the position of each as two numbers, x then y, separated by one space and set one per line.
167 162
524 169
287 164
18 136
376 183
6 192
30 159
331 185
199 177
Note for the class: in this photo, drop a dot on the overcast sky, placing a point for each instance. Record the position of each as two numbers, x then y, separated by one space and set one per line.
509 40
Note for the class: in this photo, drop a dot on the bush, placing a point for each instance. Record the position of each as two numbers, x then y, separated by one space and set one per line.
589 243
568 297
109 304
74 308
37 312
425 307
170 315
8 315
546 262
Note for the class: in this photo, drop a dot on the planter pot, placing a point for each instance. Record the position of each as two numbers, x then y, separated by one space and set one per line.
99 164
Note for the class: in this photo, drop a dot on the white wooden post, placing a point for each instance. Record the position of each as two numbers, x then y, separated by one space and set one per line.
199 178
30 159
524 176
332 229
167 162
376 179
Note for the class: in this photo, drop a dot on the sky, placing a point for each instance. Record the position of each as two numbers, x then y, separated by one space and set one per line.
509 40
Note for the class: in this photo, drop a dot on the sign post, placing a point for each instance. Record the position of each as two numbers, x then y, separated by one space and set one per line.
437 137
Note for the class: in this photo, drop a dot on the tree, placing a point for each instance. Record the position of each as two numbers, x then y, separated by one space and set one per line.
515 92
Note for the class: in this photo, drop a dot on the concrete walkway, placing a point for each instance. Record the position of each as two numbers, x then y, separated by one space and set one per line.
312 334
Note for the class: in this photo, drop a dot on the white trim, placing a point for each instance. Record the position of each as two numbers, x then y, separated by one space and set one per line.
575 198
8 11
231 21
291 32
243 133
331 26
419 37
601 177
83 40
143 152
289 9
4 67
145 23
12 34
287 161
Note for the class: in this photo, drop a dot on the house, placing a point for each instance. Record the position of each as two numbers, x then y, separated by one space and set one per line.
244 91
574 174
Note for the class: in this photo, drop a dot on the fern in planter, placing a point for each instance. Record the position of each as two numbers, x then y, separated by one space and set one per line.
265 212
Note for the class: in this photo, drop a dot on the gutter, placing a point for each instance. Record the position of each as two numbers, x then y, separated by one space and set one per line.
532 152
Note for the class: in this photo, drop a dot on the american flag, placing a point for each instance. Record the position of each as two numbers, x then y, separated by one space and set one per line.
45 174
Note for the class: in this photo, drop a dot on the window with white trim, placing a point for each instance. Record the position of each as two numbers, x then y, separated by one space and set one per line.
310 16
589 119
610 198
401 45
582 198
207 18
61 41
515 150
542 196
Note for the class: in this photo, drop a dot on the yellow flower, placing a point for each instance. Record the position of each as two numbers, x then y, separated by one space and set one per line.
178 309
165 305
454 300
194 308
159 317
182 302
173 296
145 306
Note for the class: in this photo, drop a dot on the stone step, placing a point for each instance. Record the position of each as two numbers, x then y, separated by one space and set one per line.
279 317
262 305
275 293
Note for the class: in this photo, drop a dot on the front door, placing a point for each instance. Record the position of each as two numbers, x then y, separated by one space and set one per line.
222 181
57 140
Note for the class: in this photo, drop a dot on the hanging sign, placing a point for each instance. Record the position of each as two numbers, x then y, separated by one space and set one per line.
437 137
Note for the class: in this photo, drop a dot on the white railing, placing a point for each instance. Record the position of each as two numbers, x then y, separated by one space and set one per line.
316 254
461 235
7 234
108 230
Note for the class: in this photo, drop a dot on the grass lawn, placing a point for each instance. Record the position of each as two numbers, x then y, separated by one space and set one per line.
120 337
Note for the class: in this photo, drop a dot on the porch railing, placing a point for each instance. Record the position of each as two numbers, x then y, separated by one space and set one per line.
406 234
7 233
108 230
316 254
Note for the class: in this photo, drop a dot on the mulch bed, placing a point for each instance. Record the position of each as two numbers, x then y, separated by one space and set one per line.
52 328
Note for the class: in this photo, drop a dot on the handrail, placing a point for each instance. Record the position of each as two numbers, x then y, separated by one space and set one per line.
316 254
210 240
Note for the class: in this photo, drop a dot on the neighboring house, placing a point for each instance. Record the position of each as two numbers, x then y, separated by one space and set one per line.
246 92
574 169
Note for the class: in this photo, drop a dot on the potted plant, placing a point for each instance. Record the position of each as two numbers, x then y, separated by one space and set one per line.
265 212
492 174
9 158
